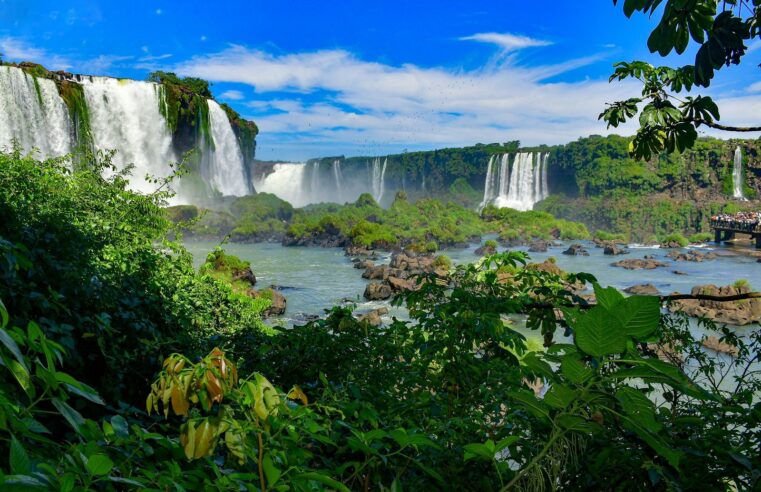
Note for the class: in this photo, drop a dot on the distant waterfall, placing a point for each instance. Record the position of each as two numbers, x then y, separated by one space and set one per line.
378 178
33 114
315 178
520 187
124 115
737 175
223 161
339 179
287 182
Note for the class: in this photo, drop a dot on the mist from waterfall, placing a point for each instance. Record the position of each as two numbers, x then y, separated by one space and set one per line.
223 162
339 179
737 175
518 186
378 178
34 119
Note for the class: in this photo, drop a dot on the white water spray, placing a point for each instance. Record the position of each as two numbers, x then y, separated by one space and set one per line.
378 178
339 179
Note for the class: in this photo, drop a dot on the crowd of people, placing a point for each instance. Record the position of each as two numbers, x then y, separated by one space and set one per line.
745 221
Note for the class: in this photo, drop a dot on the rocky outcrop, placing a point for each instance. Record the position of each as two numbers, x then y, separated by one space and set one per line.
642 290
639 264
576 250
614 249
373 317
364 264
713 343
691 255
377 291
278 301
244 274
486 249
538 246
739 313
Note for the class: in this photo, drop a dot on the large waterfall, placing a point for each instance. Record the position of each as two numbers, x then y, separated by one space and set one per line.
32 114
737 175
224 161
518 186
125 116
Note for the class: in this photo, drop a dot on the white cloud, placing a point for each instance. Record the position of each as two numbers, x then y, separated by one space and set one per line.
18 50
506 41
754 87
232 95
150 58
101 64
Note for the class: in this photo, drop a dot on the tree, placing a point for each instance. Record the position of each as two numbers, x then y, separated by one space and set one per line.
668 119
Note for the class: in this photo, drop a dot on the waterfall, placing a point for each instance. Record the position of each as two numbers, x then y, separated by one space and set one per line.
286 181
315 178
519 188
124 116
339 179
737 175
223 162
33 114
378 178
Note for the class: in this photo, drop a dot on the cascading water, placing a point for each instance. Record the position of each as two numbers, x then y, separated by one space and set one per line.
223 162
378 178
339 179
33 114
520 188
737 175
124 116
286 181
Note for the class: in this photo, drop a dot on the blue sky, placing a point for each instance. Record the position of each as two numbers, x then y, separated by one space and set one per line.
365 77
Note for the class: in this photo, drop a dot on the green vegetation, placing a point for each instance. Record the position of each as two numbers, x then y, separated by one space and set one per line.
123 368
700 237
514 225
675 237
609 236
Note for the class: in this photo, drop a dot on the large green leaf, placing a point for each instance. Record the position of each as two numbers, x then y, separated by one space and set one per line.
656 371
639 315
19 460
560 396
607 297
656 443
99 464
598 333
638 407
72 416
574 369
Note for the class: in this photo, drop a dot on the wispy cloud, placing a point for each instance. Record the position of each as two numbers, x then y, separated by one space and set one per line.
507 41
101 65
232 95
18 50
151 58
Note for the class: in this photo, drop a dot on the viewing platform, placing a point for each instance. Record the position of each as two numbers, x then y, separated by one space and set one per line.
727 226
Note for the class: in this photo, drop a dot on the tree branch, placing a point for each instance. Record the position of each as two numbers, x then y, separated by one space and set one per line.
672 297
728 128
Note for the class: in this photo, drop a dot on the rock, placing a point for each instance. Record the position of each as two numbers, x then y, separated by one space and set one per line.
678 272
538 247
485 250
278 305
671 244
545 266
373 317
691 255
613 249
244 274
717 345
576 250
377 291
401 285
364 264
639 264
642 290
649 257
738 313
358 251
379 272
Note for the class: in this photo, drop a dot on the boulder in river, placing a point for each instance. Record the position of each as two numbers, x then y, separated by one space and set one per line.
278 305
377 291
691 255
639 264
576 250
539 246
373 317
717 345
738 313
642 290
486 249
614 249
678 272
364 264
